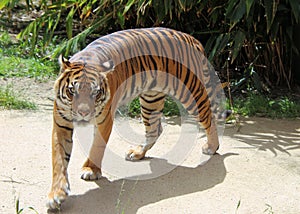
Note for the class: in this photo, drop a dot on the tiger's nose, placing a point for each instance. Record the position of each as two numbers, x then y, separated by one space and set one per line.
84 112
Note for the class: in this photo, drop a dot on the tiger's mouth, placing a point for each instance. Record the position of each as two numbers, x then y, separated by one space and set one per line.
81 123
83 120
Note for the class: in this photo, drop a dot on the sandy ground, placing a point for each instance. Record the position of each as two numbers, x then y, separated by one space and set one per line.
256 170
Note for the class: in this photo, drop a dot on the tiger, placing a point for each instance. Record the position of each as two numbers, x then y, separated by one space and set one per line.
148 63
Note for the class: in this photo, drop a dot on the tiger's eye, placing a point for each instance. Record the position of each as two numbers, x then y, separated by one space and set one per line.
96 91
71 89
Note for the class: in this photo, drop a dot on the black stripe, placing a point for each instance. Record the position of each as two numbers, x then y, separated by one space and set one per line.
61 111
74 73
143 43
154 100
150 95
151 113
162 45
187 77
62 115
145 118
109 110
182 93
194 84
167 75
170 44
152 60
67 156
152 122
153 84
154 133
69 141
63 127
148 109
153 42
133 83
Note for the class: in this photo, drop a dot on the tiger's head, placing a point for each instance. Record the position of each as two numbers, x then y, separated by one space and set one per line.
81 91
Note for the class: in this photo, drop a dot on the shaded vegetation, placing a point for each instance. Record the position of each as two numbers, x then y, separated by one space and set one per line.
16 61
250 43
241 37
265 106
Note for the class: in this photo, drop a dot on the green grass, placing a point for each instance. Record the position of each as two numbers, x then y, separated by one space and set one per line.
11 100
264 106
20 210
16 60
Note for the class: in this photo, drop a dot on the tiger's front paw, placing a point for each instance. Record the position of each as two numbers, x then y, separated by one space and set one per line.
91 174
209 149
90 171
135 154
57 197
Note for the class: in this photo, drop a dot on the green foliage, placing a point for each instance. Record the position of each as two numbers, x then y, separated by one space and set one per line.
269 209
134 108
11 100
20 210
171 107
250 43
16 62
236 34
255 34
264 106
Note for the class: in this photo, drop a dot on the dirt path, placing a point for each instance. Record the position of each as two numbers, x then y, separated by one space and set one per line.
256 169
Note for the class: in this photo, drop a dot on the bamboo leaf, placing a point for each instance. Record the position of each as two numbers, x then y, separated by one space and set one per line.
295 5
121 18
238 44
249 4
55 26
72 44
224 42
168 7
271 8
236 12
216 47
160 11
128 6
3 3
230 7
69 23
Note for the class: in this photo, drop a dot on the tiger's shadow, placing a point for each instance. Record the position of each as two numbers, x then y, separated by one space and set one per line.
127 196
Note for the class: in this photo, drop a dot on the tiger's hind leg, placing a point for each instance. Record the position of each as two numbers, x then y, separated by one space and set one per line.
212 144
152 104
207 120
198 105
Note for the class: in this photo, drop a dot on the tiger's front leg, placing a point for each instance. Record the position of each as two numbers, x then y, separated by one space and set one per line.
91 169
61 152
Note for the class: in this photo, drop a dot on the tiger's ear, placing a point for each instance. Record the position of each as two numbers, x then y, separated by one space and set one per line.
64 63
108 65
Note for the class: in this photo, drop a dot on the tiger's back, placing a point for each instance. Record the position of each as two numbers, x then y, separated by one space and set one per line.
158 59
